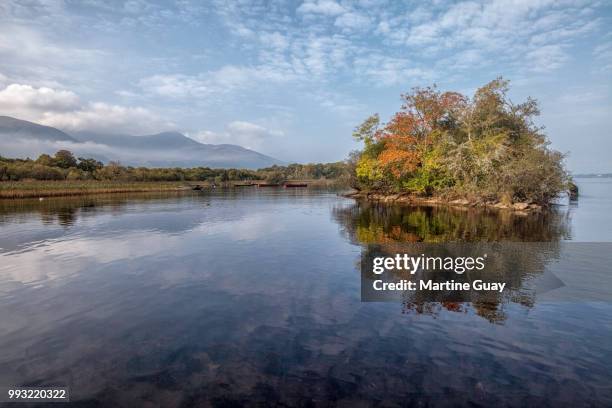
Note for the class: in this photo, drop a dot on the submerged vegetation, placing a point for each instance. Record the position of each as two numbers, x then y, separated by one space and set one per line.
445 144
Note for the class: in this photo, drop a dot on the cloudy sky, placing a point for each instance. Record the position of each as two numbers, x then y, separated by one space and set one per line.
291 78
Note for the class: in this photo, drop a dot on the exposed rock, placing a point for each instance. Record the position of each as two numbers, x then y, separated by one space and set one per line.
520 206
405 198
502 206
461 201
535 207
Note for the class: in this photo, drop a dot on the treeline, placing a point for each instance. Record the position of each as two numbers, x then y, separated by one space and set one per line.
444 143
65 166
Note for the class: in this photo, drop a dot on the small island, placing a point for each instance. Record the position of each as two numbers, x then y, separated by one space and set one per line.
447 148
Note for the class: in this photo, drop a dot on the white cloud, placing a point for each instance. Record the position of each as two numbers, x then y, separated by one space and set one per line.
33 52
222 81
503 30
18 97
387 71
175 86
65 110
353 21
15 147
246 134
546 58
603 54
325 7
103 117
274 40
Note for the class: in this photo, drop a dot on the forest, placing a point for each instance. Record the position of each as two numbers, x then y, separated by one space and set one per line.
65 166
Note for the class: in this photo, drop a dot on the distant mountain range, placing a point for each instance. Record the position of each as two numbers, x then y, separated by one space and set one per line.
20 138
18 129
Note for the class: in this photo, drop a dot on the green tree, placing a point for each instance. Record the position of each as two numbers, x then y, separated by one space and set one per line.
89 165
45 160
65 159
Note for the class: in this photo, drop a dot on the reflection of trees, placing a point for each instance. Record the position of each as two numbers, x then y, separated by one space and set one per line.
522 246
66 211
370 223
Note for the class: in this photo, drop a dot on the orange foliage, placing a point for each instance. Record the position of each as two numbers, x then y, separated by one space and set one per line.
408 134
401 154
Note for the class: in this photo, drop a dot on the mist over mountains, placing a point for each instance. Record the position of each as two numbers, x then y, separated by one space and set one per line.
20 138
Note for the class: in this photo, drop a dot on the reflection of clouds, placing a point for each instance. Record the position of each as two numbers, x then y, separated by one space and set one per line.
57 259
249 228
73 254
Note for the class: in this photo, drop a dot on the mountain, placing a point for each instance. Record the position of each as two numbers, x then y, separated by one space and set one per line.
22 129
164 140
173 149
19 138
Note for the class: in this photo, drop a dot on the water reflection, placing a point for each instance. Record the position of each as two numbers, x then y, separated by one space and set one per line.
65 211
385 230
371 223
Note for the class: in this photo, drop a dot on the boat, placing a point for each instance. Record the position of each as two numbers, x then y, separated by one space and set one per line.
244 185
197 187
267 185
287 185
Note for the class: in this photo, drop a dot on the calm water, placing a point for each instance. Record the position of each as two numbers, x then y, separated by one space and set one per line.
252 297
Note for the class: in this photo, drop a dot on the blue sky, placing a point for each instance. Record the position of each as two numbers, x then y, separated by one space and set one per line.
292 79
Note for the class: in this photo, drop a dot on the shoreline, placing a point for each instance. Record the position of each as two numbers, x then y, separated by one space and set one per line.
36 189
409 199
14 190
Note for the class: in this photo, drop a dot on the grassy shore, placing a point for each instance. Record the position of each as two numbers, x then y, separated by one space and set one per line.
37 188
30 189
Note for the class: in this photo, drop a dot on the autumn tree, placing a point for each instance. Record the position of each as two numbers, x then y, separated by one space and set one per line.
447 143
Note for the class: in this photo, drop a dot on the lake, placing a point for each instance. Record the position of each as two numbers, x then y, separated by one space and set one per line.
252 297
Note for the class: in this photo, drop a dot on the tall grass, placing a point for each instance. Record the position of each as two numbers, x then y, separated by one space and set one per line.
35 188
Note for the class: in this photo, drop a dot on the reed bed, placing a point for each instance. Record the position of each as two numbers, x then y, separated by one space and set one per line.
33 189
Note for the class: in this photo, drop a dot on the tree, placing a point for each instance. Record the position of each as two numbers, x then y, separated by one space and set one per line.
64 159
367 130
89 165
45 160
112 171
445 142
275 177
